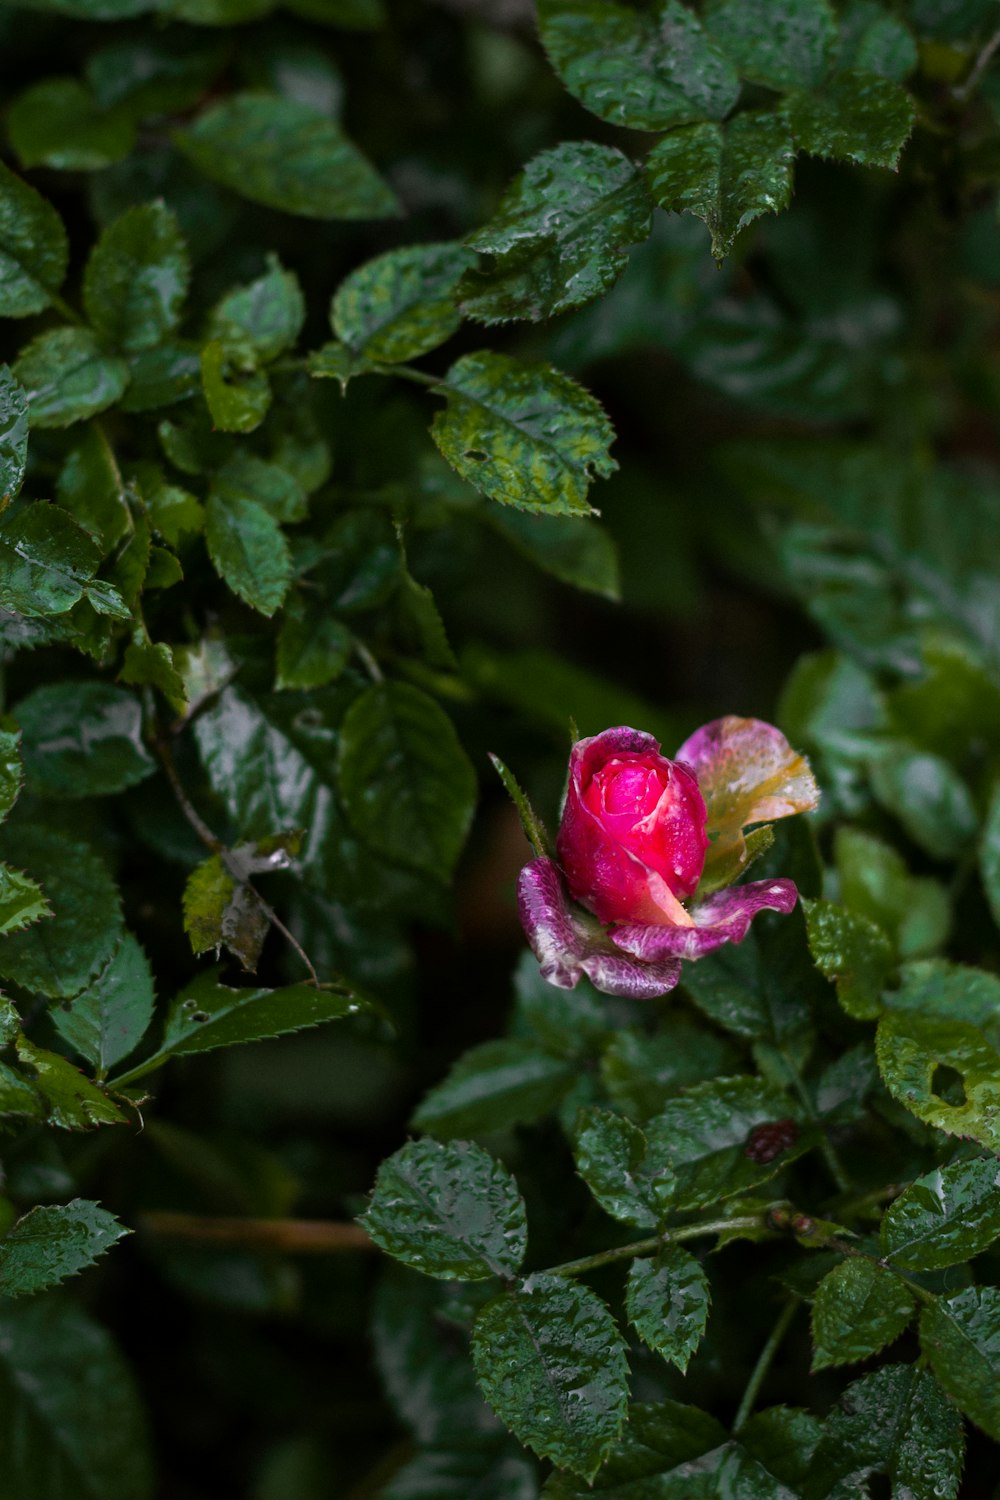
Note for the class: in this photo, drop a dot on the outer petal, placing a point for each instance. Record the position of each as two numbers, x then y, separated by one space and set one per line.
748 773
565 950
722 918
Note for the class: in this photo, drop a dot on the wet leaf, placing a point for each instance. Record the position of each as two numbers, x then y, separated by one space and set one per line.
667 1301
858 1309
48 1244
83 739
493 1087
249 551
109 1019
859 117
610 1156
137 278
33 248
401 304
960 1335
945 1217
911 1050
67 377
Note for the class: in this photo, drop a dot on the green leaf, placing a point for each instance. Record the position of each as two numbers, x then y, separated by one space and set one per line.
13 435
11 773
57 123
83 739
642 1072
450 1211
646 70
560 235
22 901
727 175
68 377
46 560
929 798
288 156
70 1419
858 1309
960 1335
313 647
220 911
71 1100
667 1439
610 1157
49 1244
945 1217
59 955
162 376
401 304
763 988
551 1363
911 1049
110 1018
779 43
490 1471
90 487
34 251
716 1140
523 434
895 1422
18 1097
859 117
137 278
875 882
852 950
407 784
238 394
268 312
667 1301
989 855
937 989
335 361
207 1014
492 1087
875 42
246 477
573 549
248 551
531 824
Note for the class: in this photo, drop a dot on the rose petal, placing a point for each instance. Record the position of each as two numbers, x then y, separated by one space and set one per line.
748 773
565 950
722 918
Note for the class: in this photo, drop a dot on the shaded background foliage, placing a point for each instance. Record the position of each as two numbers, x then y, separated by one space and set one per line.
260 632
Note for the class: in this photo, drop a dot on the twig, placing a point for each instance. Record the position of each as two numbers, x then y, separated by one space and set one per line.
299 1236
653 1243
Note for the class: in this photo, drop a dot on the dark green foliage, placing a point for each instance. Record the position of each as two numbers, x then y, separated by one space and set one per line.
323 321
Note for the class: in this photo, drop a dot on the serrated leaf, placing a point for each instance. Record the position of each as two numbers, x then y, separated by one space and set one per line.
72 1102
48 1244
450 1211
268 312
851 949
83 739
859 1308
667 1301
727 175
58 956
779 43
313 647
722 1138
110 1018
246 477
492 1087
573 549
57 123
896 1422
149 662
610 1155
960 1335
288 156
854 116
13 432
875 42
34 251
335 361
560 236
407 784
237 393
649 71
71 1423
249 551
945 1217
401 304
67 377
524 434
657 1441
162 376
207 1014
137 278
11 771
22 901
642 1072
763 988
910 1050
551 1363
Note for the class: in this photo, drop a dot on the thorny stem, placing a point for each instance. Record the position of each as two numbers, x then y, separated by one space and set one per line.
978 69
764 1361
215 844
653 1243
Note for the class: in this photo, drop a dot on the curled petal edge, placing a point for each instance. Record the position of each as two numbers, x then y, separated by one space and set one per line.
565 950
748 773
722 918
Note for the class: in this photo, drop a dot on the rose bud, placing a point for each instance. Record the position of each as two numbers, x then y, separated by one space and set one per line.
651 847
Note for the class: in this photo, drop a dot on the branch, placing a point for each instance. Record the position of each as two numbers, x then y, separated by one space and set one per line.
297 1236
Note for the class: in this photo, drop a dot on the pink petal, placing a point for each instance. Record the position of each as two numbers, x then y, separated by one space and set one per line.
722 918
565 949
748 773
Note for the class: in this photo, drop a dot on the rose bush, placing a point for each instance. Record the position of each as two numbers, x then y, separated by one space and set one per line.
641 835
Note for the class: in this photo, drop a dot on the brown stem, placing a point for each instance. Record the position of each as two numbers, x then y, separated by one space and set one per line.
298 1236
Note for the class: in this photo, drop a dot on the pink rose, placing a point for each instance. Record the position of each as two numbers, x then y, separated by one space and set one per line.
641 836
